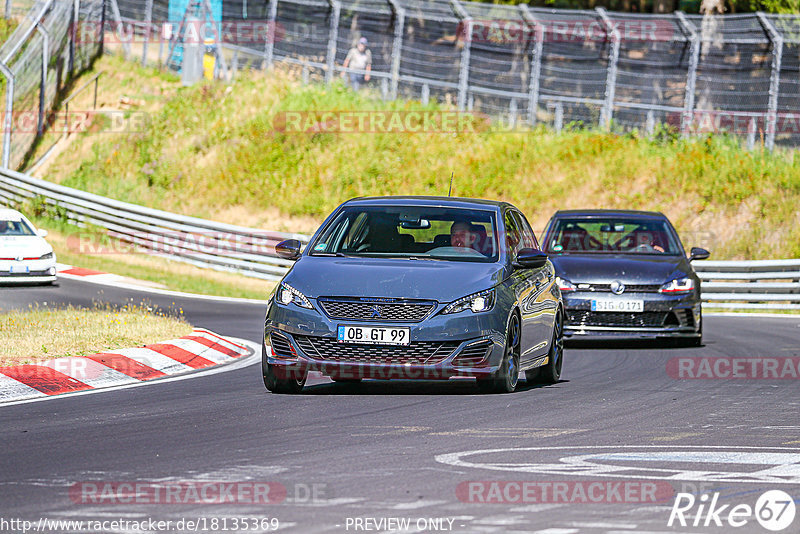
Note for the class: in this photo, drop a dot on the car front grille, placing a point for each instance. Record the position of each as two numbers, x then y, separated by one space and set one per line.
633 288
417 353
406 311
24 275
590 318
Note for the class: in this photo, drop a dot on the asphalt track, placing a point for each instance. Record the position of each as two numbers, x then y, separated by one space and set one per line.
383 450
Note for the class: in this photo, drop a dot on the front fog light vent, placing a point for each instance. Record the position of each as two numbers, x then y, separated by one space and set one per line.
281 346
473 354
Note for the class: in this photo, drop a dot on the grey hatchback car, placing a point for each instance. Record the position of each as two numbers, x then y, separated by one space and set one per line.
420 288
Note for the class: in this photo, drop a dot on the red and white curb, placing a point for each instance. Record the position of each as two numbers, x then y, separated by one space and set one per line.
200 350
68 271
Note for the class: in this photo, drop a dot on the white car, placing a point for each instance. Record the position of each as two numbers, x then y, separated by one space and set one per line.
25 257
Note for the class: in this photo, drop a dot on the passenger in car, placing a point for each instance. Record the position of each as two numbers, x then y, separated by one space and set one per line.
481 243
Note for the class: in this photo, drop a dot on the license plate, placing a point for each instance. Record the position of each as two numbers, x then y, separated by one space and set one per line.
612 305
378 335
19 268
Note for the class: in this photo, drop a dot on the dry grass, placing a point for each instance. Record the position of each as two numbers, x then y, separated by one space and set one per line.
43 333
121 88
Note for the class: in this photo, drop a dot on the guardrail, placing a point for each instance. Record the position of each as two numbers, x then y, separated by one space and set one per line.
191 240
760 284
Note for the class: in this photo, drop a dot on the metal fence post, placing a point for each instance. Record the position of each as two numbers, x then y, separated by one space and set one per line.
333 36
43 83
76 19
269 46
691 74
776 39
463 73
9 114
148 22
751 134
8 9
397 45
102 31
126 46
558 120
536 62
607 112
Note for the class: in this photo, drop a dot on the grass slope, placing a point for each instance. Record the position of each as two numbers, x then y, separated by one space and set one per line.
211 151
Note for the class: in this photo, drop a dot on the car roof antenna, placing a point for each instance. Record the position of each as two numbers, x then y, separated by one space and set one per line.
451 185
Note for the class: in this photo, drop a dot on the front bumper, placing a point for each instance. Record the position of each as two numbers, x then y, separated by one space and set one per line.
37 271
441 346
662 316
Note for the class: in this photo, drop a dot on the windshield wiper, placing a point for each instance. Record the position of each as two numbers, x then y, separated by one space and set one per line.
331 254
429 258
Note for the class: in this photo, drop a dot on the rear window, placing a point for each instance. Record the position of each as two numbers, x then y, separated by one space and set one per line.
612 236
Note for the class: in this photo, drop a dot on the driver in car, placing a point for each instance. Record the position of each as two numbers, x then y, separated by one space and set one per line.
461 235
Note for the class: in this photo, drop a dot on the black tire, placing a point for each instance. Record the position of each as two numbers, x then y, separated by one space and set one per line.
696 341
506 378
550 373
278 380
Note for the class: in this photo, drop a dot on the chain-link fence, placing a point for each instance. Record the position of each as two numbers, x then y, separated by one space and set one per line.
16 8
738 74
37 62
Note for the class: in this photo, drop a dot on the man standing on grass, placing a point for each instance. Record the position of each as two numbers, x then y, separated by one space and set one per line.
360 58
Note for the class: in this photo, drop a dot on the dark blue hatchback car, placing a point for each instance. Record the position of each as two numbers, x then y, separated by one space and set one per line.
416 288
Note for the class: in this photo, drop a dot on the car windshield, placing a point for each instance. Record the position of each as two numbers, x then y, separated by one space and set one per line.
414 232
612 236
14 228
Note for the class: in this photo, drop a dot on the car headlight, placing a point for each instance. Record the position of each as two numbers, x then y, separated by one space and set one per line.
679 285
287 294
477 302
48 256
565 285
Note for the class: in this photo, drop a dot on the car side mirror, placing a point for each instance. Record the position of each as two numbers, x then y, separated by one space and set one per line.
42 233
698 253
288 249
531 258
